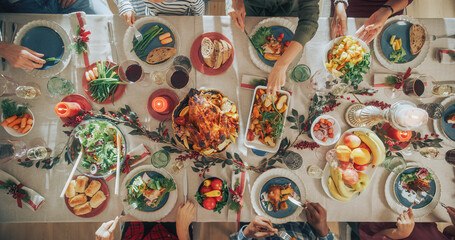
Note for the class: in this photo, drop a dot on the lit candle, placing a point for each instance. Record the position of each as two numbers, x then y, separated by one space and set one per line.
402 136
411 118
67 109
160 104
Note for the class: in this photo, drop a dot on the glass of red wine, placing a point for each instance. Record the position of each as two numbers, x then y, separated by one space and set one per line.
131 71
177 77
420 87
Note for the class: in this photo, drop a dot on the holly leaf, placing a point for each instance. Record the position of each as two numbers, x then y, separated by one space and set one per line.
291 119
228 155
295 113
301 118
195 169
397 147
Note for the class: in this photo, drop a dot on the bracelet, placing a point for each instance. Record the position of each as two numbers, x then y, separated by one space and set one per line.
342 1
389 7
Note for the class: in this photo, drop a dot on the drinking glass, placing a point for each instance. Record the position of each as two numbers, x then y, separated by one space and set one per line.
421 87
38 153
293 160
300 73
450 157
160 159
394 164
11 149
130 71
28 91
322 81
7 86
177 77
58 86
430 153
314 171
434 110
182 61
158 77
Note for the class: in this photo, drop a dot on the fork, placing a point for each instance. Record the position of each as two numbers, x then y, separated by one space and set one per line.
420 196
284 235
434 37
137 34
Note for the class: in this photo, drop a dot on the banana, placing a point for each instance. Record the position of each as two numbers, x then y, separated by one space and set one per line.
337 177
334 192
375 144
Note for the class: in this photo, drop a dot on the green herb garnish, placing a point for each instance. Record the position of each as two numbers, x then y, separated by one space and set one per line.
52 59
138 187
260 37
11 108
397 56
353 72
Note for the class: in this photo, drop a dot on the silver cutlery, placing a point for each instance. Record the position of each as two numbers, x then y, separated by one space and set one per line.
434 37
248 36
296 202
283 235
13 32
111 41
421 195
185 184
3 39
137 34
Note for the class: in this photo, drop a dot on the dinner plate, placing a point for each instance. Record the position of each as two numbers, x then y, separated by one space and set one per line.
198 60
441 127
291 207
394 201
118 93
405 197
148 213
278 26
143 25
399 26
277 176
50 39
100 208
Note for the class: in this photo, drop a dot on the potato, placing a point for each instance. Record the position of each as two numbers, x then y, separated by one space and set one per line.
281 102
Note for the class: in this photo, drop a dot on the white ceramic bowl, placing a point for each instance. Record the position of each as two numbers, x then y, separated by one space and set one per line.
336 131
13 132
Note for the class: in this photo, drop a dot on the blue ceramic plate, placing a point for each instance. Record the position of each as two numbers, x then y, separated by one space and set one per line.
151 174
291 207
277 30
405 197
447 128
46 41
155 43
401 30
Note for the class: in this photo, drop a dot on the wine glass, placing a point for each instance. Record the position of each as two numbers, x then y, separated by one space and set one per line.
11 149
450 157
131 71
322 81
394 164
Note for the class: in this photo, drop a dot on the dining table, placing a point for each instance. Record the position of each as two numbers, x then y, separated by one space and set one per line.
370 206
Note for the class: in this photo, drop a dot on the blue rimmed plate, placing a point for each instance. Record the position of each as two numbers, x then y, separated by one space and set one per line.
291 208
277 30
405 197
401 30
447 128
441 127
155 43
151 174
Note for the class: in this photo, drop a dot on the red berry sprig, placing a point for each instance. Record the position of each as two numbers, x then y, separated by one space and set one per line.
379 104
305 145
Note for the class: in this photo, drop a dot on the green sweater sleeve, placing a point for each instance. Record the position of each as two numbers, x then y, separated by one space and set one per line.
308 13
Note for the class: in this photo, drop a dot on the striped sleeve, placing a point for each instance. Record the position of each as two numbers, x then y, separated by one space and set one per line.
137 6
197 7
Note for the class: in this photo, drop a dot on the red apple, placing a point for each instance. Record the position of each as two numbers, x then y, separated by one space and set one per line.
361 167
350 176
363 145
345 165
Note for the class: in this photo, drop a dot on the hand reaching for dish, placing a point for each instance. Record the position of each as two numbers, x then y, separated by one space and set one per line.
339 21
128 16
373 25
451 212
237 13
185 216
21 57
317 218
260 227
405 223
106 229
276 80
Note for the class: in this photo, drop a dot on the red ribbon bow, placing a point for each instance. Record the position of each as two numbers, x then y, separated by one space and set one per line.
126 169
17 195
402 78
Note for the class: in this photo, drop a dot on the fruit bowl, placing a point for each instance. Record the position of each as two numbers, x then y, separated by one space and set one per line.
207 196
324 129
348 170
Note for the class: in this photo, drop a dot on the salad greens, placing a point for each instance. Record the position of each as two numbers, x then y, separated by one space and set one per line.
11 108
410 177
353 73
275 119
99 142
397 56
105 85
260 38
139 186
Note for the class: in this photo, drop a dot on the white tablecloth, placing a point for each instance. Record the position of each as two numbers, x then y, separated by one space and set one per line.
370 206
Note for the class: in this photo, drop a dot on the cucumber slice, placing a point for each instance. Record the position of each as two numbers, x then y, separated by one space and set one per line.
160 159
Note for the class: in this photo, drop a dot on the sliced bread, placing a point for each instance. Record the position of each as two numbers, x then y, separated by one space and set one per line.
416 38
227 50
207 49
218 54
160 54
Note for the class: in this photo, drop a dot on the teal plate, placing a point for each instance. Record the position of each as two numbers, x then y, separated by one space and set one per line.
401 30
277 30
291 207
155 43
405 197
447 128
151 174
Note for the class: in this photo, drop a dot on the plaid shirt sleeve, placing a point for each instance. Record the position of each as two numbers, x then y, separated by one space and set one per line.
299 231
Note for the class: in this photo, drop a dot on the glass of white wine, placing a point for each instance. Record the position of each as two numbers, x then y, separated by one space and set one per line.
28 91
38 153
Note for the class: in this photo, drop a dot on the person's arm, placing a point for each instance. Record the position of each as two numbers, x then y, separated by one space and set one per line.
126 10
238 13
185 216
405 225
376 21
198 7
306 28
317 219
21 57
338 26
450 230
106 229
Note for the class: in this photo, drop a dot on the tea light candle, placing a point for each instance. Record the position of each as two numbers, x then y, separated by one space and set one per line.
67 109
411 117
402 136
160 104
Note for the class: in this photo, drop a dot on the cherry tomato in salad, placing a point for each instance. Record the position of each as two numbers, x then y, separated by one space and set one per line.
281 35
268 38
287 43
205 189
180 120
219 198
279 39
217 184
209 203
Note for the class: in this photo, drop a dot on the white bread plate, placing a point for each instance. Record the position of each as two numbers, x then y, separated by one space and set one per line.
13 132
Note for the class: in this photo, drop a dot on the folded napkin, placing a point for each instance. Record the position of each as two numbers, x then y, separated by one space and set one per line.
32 199
379 79
133 158
446 56
77 19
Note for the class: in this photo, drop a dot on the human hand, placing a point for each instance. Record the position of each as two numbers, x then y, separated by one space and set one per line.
339 20
128 16
237 13
106 229
373 25
260 227
21 57
66 3
317 218
276 79
405 223
451 212
185 216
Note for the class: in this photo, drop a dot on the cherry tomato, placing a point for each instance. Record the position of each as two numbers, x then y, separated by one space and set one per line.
279 39
205 189
209 203
281 35
287 43
268 38
217 184
180 120
219 198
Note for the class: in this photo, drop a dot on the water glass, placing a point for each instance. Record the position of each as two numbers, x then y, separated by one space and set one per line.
58 86
394 164
28 91
322 81
160 159
7 86
293 160
300 73
38 153
182 61
434 110
11 149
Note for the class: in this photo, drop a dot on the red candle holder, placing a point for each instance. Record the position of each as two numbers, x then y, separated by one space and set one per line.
402 137
161 103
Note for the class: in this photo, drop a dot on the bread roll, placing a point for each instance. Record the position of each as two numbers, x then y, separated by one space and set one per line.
97 199
77 200
71 190
82 209
158 55
227 50
207 49
218 54
81 184
416 38
92 188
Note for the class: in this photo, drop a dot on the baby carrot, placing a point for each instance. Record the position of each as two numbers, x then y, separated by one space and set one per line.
26 115
166 41
23 122
27 128
5 123
15 122
164 36
11 119
16 127
30 121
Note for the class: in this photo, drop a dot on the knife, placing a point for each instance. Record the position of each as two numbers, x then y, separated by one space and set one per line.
111 41
248 35
185 185
298 203
2 38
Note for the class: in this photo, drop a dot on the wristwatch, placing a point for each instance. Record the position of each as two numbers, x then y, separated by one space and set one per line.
343 1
